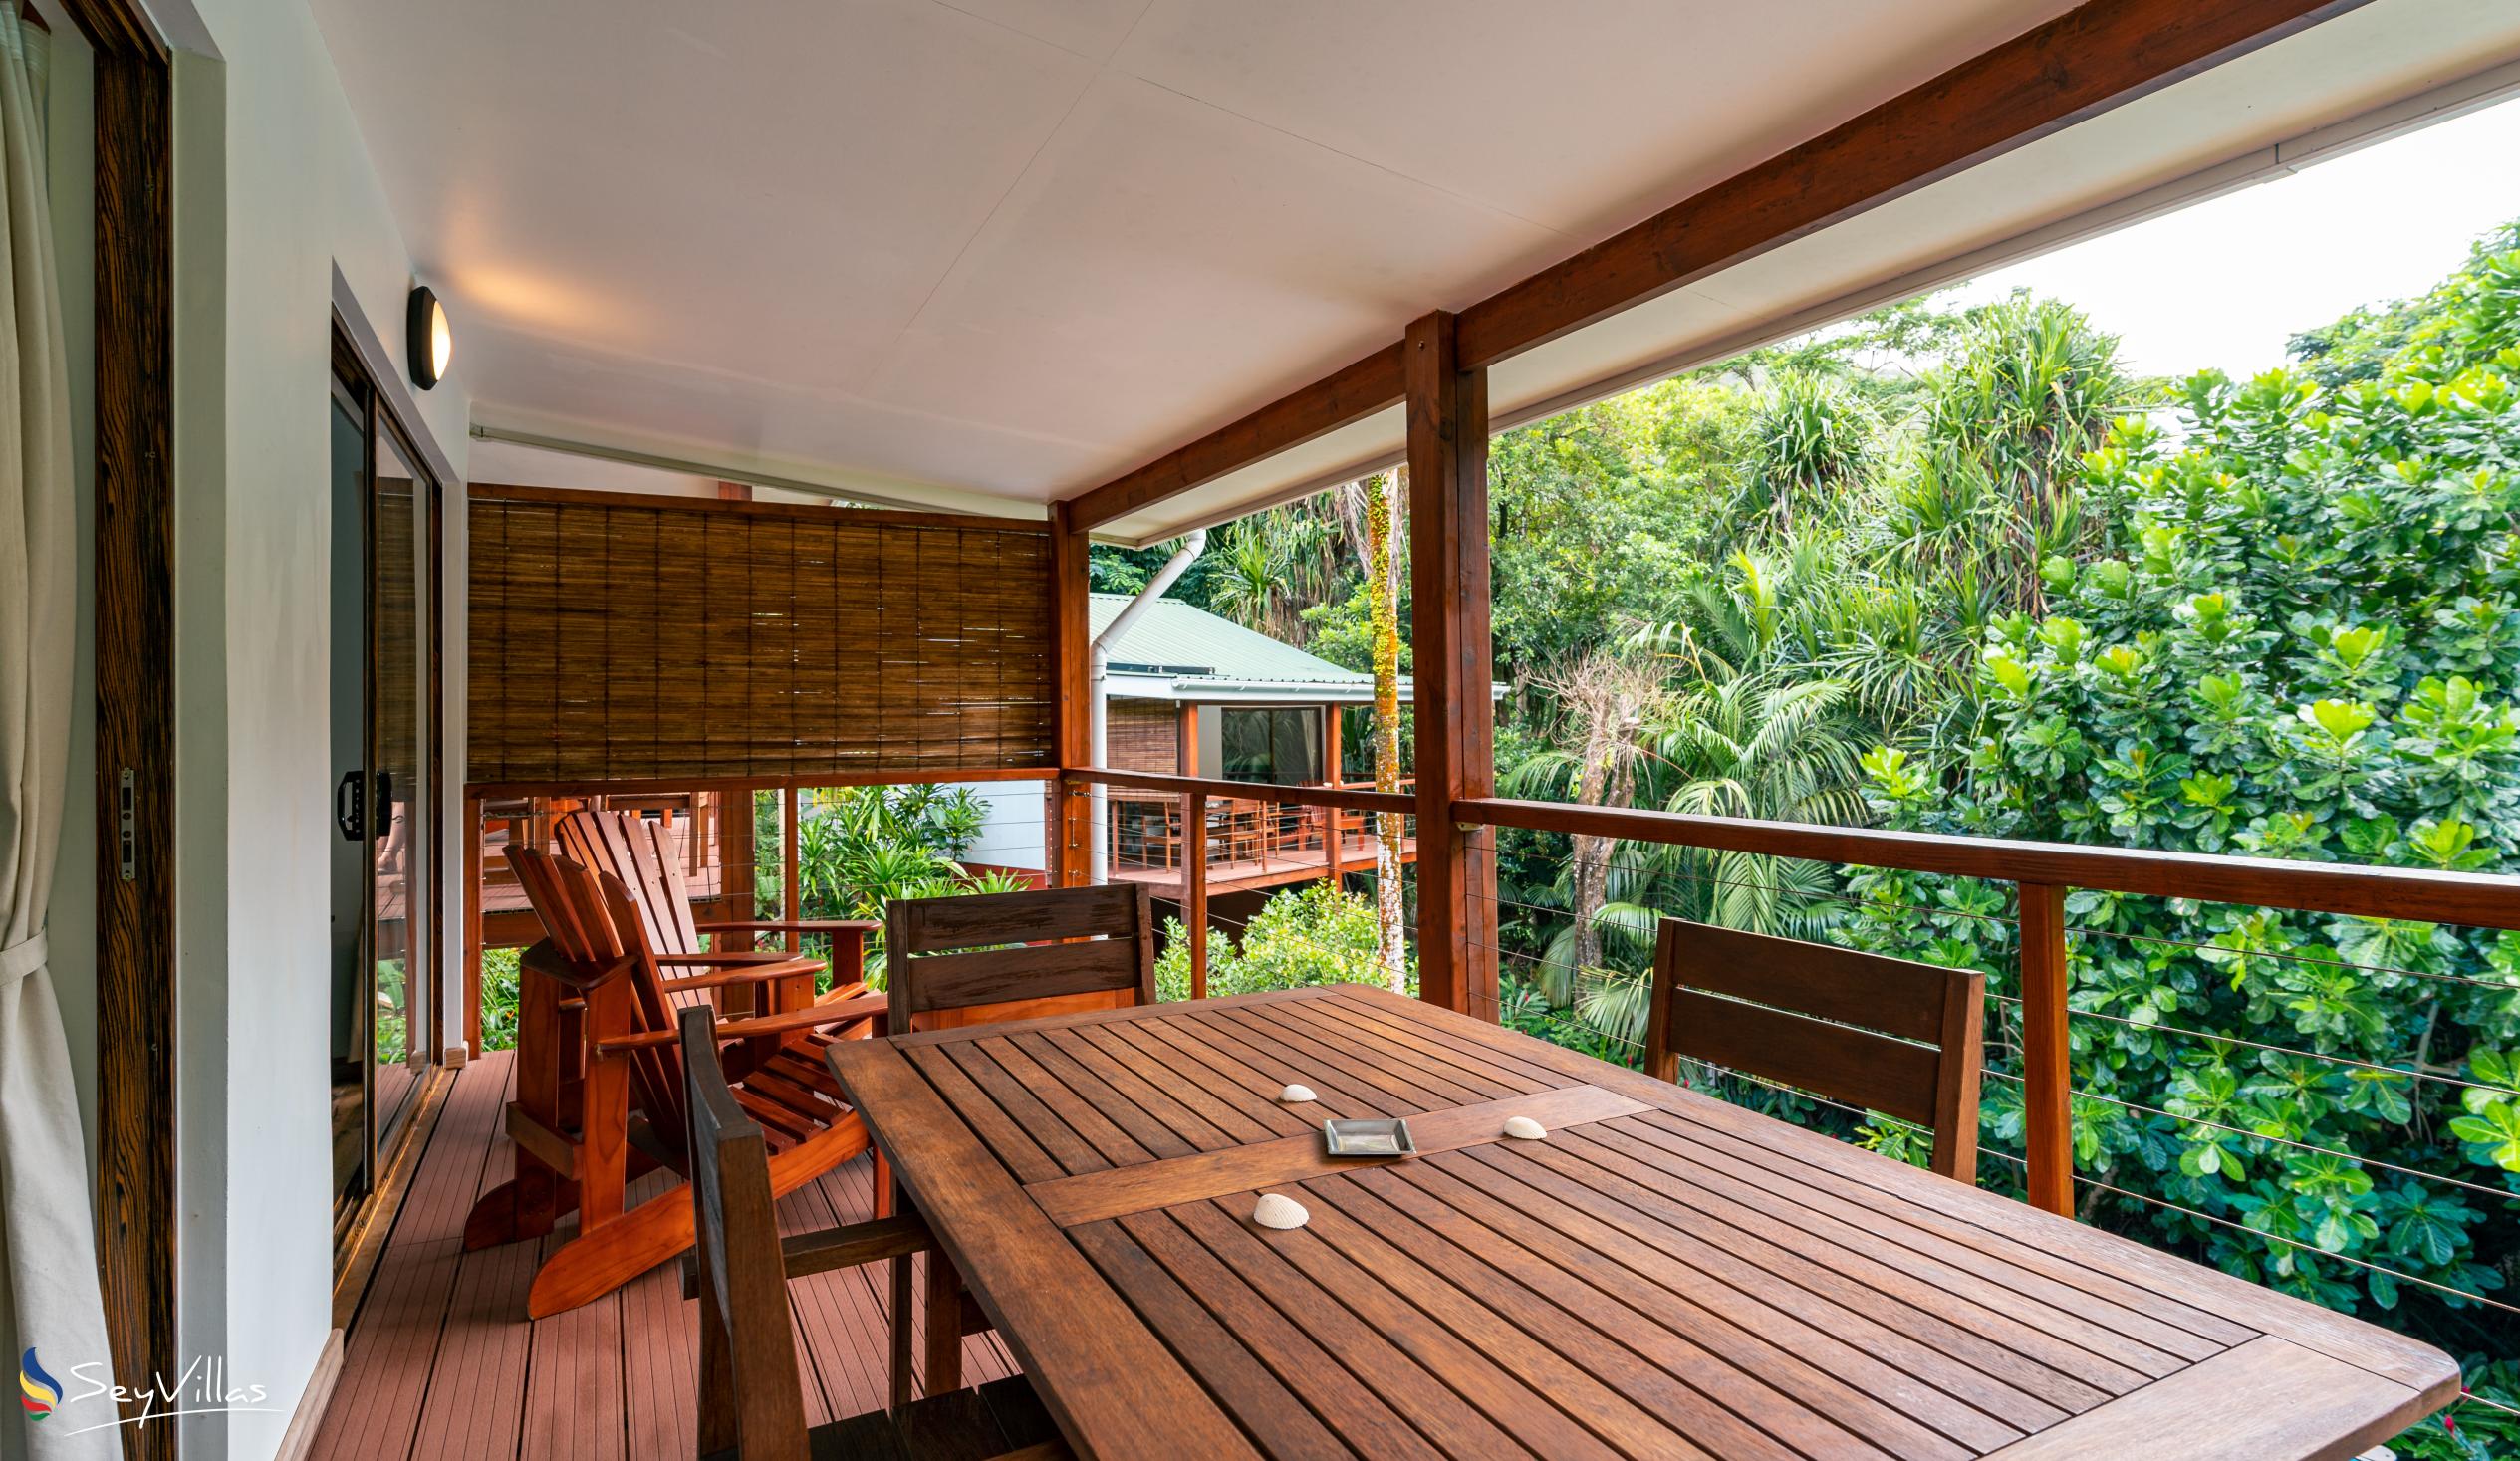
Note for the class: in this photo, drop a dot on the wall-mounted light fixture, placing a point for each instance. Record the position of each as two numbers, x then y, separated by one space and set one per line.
431 341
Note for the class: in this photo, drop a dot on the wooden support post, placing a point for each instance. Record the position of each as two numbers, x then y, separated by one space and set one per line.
1449 624
472 924
791 873
1070 836
1194 905
1186 749
2047 1073
738 865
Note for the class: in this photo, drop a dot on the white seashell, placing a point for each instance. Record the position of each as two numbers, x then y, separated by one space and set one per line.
1275 1211
1524 1128
1296 1094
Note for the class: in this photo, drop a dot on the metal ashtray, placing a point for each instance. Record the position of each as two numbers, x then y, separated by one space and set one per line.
1367 1138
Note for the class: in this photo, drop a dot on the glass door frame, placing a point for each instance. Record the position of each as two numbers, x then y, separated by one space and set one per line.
353 386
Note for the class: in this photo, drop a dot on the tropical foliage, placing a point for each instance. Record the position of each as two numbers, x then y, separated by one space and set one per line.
1958 570
860 848
2278 616
1318 933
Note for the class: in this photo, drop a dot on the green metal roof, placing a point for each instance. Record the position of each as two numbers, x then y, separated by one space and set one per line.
1203 654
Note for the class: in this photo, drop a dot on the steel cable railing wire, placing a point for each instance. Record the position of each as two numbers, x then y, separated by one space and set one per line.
1705 880
2412 1073
1999 1046
2501 1193
1863 904
1599 976
2469 980
2345 1258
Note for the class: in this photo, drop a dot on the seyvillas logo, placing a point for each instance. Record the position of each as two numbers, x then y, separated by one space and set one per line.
201 1389
39 1393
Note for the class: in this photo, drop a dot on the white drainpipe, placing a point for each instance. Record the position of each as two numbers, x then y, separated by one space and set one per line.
1129 613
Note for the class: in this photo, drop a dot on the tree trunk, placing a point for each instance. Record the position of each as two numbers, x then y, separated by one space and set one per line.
1383 588
1591 854
1608 701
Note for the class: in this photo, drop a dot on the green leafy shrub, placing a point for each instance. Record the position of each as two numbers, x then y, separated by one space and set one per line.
860 848
1318 933
2273 618
498 997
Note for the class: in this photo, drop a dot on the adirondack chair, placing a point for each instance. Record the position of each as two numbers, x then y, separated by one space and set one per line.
595 1036
643 855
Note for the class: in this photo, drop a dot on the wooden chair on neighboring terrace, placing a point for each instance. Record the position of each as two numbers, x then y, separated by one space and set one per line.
958 961
595 1033
750 1403
1813 1025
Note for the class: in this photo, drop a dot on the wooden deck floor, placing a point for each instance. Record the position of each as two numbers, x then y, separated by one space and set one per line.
441 1362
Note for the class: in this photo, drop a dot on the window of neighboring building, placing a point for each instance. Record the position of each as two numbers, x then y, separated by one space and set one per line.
1280 743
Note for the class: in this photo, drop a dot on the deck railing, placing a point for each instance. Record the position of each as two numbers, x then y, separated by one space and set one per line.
1259 831
2043 875
1353 810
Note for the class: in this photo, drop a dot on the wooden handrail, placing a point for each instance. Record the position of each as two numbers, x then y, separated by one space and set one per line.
1244 790
2045 873
2472 900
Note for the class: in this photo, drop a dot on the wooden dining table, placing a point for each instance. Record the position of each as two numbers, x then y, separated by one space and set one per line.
1661 1275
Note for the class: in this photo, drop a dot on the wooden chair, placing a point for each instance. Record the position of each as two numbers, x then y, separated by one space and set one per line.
644 856
958 961
750 1405
596 1033
1889 1034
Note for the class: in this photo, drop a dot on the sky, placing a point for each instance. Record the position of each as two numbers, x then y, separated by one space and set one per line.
2224 283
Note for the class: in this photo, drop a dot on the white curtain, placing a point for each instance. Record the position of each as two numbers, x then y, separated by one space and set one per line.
47 1227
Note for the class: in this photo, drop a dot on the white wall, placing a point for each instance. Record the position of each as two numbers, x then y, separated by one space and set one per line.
274 191
1013 835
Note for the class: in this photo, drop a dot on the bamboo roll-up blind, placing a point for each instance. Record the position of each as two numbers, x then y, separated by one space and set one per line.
621 638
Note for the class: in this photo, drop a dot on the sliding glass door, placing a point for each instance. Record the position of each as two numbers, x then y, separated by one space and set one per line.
383 687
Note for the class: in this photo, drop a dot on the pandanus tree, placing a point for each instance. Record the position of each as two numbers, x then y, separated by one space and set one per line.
2031 386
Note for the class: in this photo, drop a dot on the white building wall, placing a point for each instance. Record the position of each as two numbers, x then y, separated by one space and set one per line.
274 192
1013 835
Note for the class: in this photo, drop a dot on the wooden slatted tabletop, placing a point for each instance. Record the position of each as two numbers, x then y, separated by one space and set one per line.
1663 1276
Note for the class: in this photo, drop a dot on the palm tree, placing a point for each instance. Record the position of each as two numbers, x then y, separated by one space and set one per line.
1812 434
2031 389
1768 746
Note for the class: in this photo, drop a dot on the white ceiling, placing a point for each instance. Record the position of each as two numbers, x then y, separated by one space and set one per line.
1000 251
2389 64
1020 246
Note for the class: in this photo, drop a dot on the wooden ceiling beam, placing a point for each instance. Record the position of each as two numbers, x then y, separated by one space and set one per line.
1339 398
2087 61
2097 56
